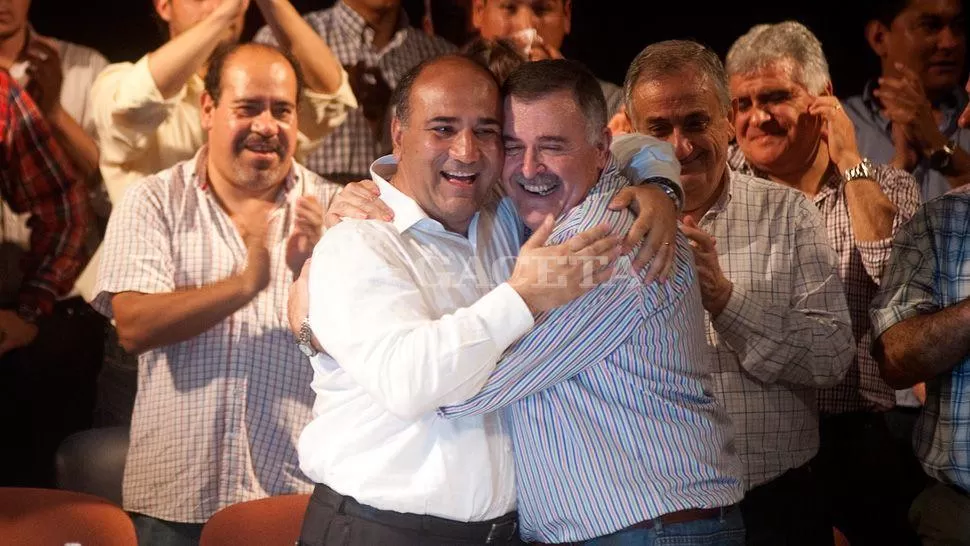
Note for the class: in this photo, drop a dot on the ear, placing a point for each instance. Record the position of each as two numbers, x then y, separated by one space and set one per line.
732 118
567 9
877 35
397 135
164 9
603 147
829 91
208 111
478 14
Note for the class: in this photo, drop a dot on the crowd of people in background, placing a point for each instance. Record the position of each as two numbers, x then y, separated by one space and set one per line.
319 263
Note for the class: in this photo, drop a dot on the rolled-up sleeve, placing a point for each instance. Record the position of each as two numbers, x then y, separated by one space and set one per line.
901 189
137 248
128 109
321 113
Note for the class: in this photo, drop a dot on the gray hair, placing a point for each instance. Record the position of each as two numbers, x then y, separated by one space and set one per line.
672 57
790 43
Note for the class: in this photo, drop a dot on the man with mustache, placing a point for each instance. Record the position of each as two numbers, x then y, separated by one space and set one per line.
414 313
908 116
792 130
196 263
777 321
147 113
608 397
594 345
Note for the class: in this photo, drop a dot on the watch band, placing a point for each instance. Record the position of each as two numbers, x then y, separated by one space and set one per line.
864 170
305 339
672 190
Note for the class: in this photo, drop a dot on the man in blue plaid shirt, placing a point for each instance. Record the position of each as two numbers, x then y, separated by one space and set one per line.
920 318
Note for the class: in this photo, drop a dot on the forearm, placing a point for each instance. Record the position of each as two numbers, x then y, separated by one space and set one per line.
922 347
871 213
800 346
76 143
147 321
174 63
321 69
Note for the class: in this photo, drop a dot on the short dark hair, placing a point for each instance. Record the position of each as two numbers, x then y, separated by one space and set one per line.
222 55
400 101
499 55
536 79
886 11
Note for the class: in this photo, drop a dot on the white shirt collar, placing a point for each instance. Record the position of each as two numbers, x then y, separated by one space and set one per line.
407 212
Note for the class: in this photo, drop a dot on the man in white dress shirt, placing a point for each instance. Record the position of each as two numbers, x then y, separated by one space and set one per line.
406 314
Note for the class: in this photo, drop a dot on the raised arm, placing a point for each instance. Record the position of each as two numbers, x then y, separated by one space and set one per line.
46 78
320 66
186 54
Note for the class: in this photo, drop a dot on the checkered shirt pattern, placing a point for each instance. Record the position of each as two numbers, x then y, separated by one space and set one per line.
785 330
347 153
928 271
861 264
216 417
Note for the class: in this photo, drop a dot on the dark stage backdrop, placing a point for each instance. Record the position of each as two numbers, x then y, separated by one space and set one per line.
606 34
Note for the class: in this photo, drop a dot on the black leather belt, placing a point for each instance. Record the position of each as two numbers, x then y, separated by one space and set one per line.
500 530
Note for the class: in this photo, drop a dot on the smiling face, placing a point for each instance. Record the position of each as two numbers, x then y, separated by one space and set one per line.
550 163
771 119
684 110
252 128
449 149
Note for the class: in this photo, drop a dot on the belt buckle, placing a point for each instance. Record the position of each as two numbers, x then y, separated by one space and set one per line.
494 534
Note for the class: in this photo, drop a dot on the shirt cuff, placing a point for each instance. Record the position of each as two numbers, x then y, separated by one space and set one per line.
505 314
642 157
733 322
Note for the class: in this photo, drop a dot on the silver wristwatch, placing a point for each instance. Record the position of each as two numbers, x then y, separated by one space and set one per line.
305 340
670 189
863 170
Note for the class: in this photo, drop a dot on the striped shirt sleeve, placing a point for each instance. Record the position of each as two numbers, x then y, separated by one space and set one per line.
562 344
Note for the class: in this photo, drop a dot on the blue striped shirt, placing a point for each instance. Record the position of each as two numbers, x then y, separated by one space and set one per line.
609 399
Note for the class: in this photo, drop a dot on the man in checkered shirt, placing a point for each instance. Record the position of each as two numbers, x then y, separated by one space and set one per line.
778 325
919 322
197 261
792 130
376 44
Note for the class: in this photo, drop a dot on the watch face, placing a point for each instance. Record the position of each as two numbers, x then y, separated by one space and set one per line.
306 349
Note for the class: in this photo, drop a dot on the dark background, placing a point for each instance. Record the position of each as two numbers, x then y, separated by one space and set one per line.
606 34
